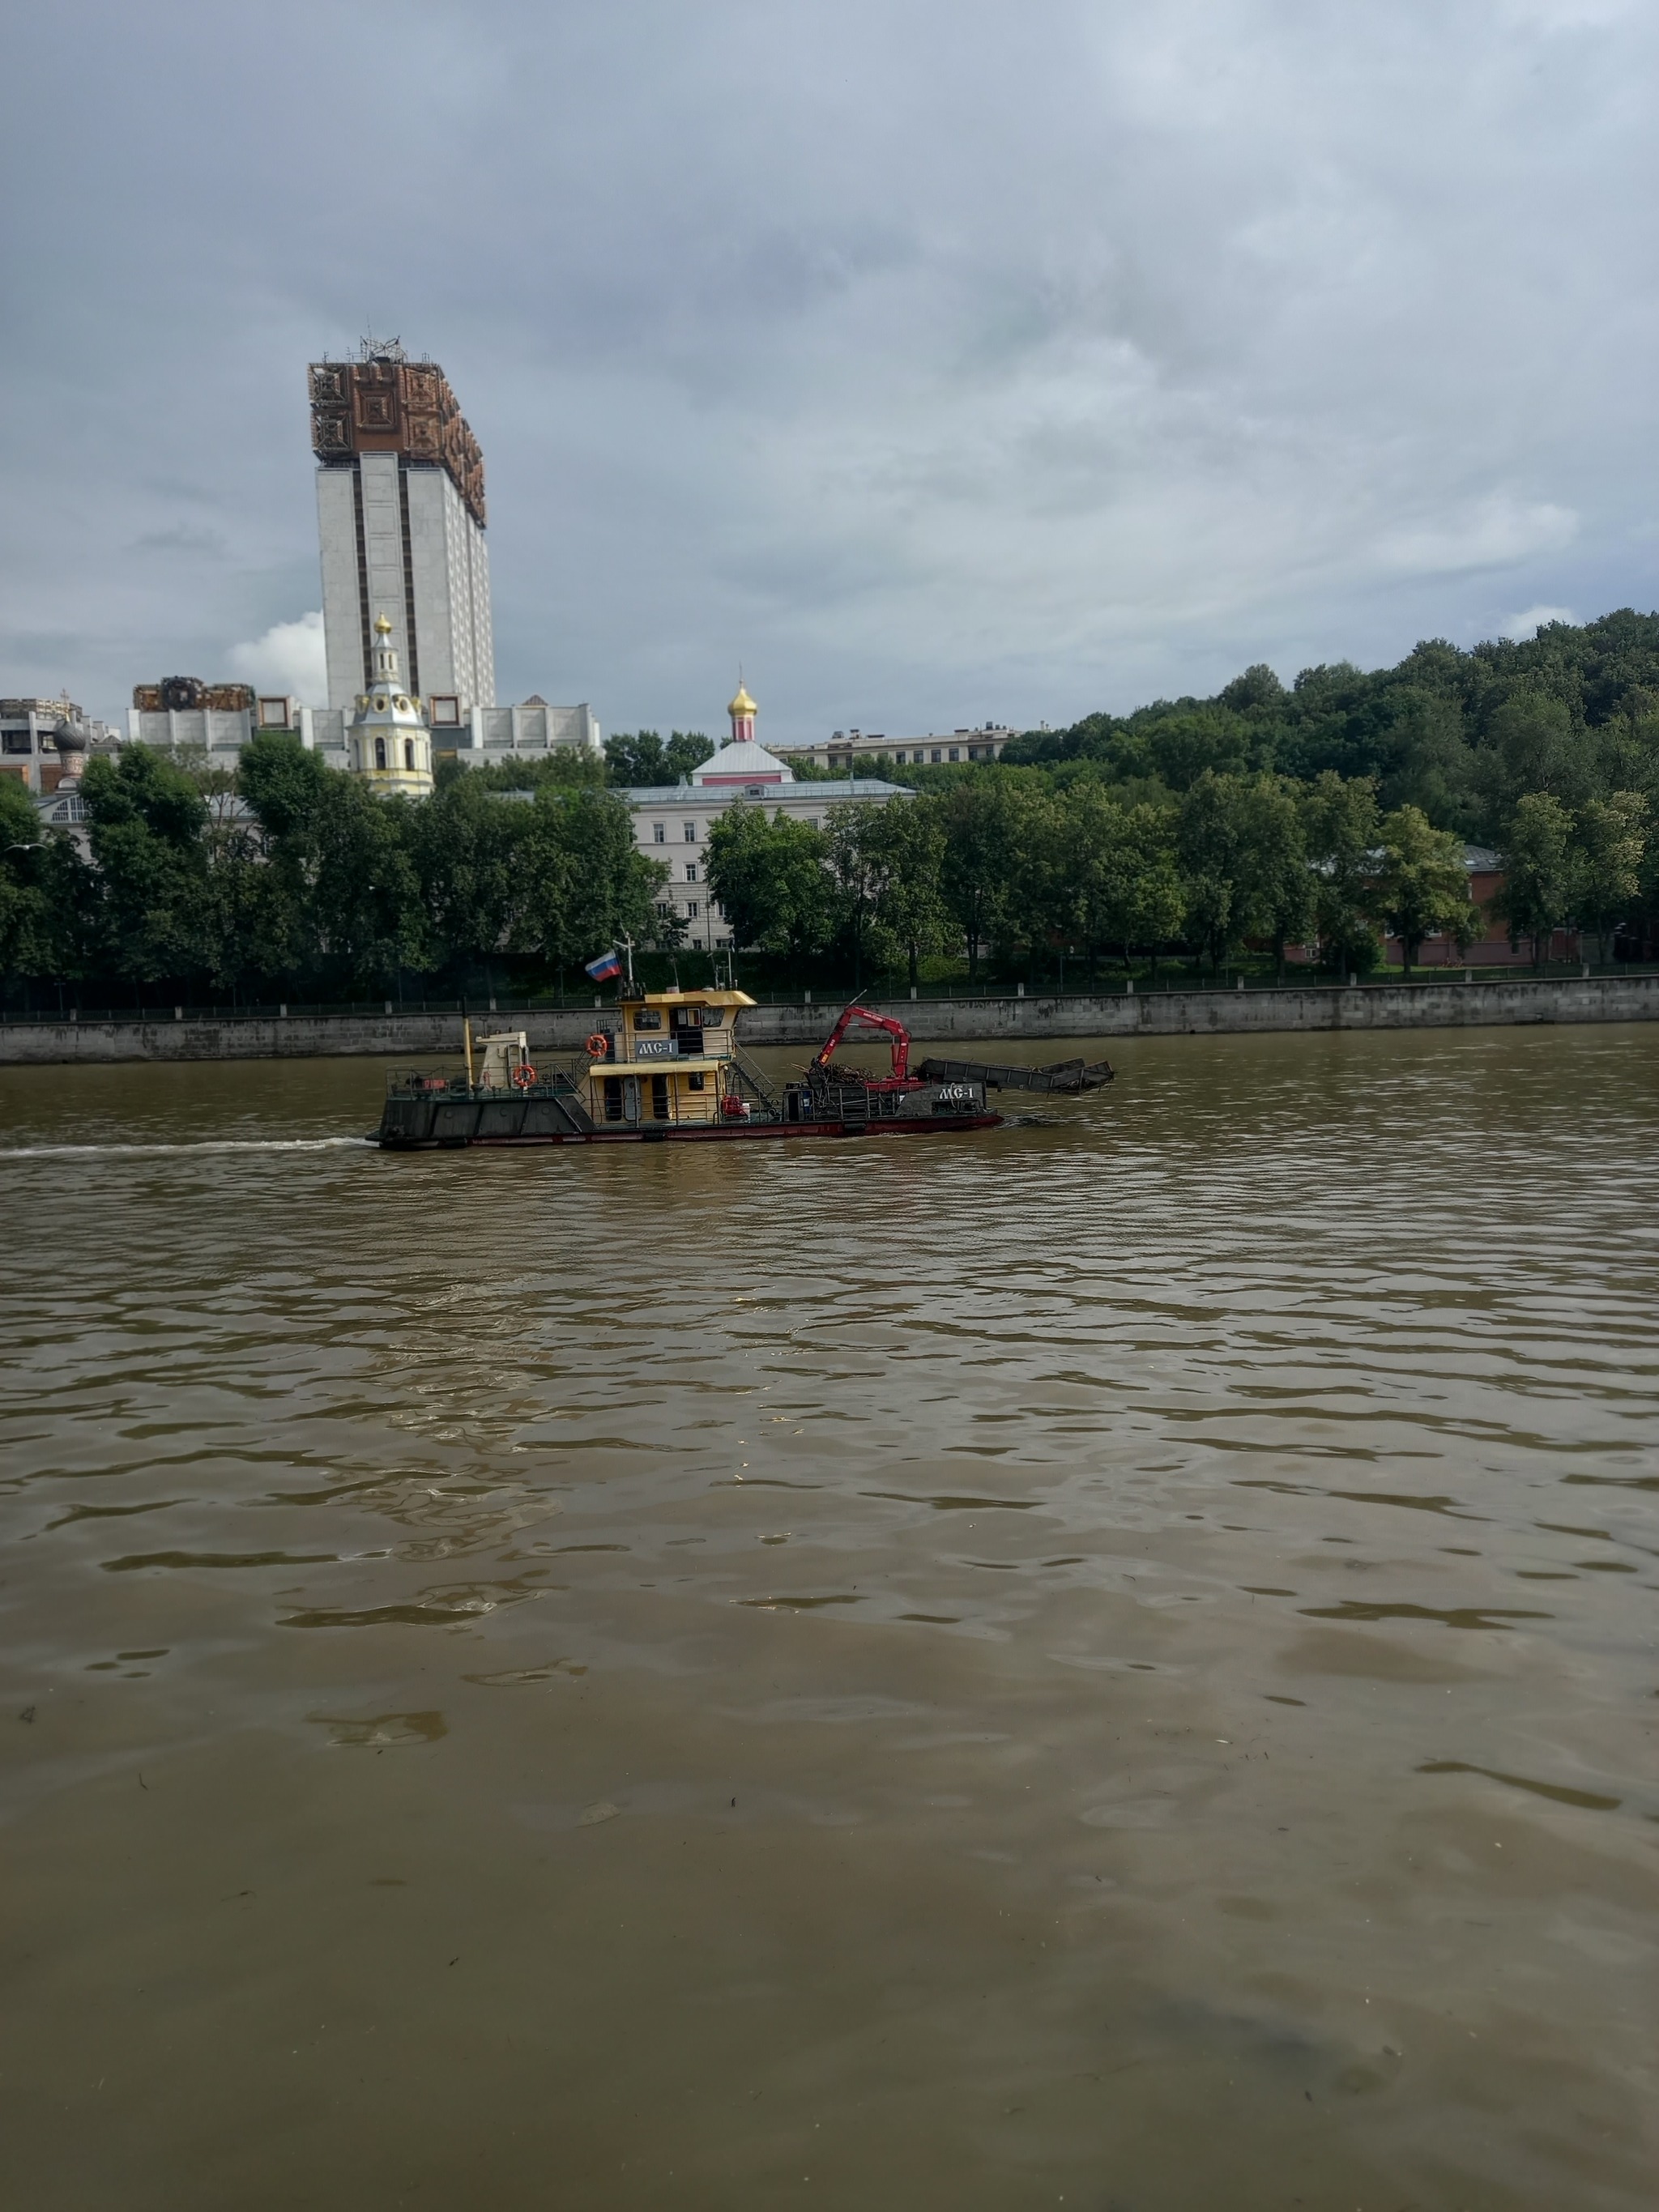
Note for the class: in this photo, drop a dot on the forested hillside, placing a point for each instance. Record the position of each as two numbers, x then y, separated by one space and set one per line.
1463 735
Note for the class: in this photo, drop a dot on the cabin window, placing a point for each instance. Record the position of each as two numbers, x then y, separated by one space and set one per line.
648 1017
379 752
659 1097
659 833
712 1017
697 1082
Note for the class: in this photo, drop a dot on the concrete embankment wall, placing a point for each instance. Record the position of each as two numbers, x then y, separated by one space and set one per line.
417 1037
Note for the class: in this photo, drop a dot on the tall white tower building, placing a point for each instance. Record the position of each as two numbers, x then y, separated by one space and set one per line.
400 516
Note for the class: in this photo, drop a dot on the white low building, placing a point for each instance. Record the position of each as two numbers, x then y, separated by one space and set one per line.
845 748
671 821
477 739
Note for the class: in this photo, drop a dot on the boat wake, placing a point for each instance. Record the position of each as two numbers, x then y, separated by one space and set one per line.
201 1145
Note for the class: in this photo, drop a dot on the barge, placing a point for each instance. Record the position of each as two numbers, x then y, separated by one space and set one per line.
665 1066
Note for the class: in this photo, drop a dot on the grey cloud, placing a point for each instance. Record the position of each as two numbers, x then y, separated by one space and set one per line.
940 362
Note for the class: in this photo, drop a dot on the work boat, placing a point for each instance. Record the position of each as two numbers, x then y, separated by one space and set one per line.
665 1066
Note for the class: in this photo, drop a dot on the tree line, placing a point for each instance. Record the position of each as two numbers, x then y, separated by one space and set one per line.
1330 812
313 886
1009 865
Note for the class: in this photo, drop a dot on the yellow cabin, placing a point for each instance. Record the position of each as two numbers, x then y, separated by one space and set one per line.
667 1056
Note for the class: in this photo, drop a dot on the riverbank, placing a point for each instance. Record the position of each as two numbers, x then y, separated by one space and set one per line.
1438 1004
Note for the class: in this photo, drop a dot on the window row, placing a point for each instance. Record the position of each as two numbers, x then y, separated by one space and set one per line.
666 909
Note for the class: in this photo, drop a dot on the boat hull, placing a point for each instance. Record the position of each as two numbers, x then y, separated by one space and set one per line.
457 1137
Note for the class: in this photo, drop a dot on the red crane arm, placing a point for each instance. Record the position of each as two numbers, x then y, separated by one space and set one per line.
895 1031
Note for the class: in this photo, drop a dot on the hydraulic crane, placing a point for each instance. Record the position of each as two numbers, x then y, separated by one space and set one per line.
821 1067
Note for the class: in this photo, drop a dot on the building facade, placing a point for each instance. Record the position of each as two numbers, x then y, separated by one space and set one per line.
672 822
28 752
481 736
845 747
400 519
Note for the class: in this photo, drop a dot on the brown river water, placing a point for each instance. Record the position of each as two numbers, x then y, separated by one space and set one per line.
1107 1662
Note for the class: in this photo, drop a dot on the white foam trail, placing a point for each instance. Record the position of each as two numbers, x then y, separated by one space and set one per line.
202 1144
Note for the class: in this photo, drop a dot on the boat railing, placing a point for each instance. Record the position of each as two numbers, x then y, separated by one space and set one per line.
419 1082
753 1079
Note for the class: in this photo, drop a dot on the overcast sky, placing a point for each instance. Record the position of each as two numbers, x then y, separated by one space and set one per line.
940 361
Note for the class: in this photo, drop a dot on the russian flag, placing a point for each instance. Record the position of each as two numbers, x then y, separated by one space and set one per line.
607 965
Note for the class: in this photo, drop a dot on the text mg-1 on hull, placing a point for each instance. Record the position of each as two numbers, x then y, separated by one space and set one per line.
665 1066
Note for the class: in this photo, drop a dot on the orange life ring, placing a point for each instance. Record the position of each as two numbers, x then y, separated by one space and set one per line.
524 1075
598 1046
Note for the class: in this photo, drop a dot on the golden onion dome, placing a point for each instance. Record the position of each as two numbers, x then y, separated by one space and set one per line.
743 704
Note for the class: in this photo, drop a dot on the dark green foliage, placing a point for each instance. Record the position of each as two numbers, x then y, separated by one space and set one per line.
1460 735
586 884
769 877
1540 869
1340 837
1109 878
45 894
1243 862
147 819
565 768
1422 887
1612 847
644 759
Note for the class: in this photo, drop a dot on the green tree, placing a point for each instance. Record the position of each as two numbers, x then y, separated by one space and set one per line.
340 903
1422 887
568 768
1112 874
1181 748
1531 744
468 851
643 758
1280 901
1612 841
986 821
145 820
911 907
769 877
861 860
587 884
1541 871
1243 863
1339 831
48 895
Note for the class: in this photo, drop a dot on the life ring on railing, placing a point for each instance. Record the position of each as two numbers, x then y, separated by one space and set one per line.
523 1076
598 1046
